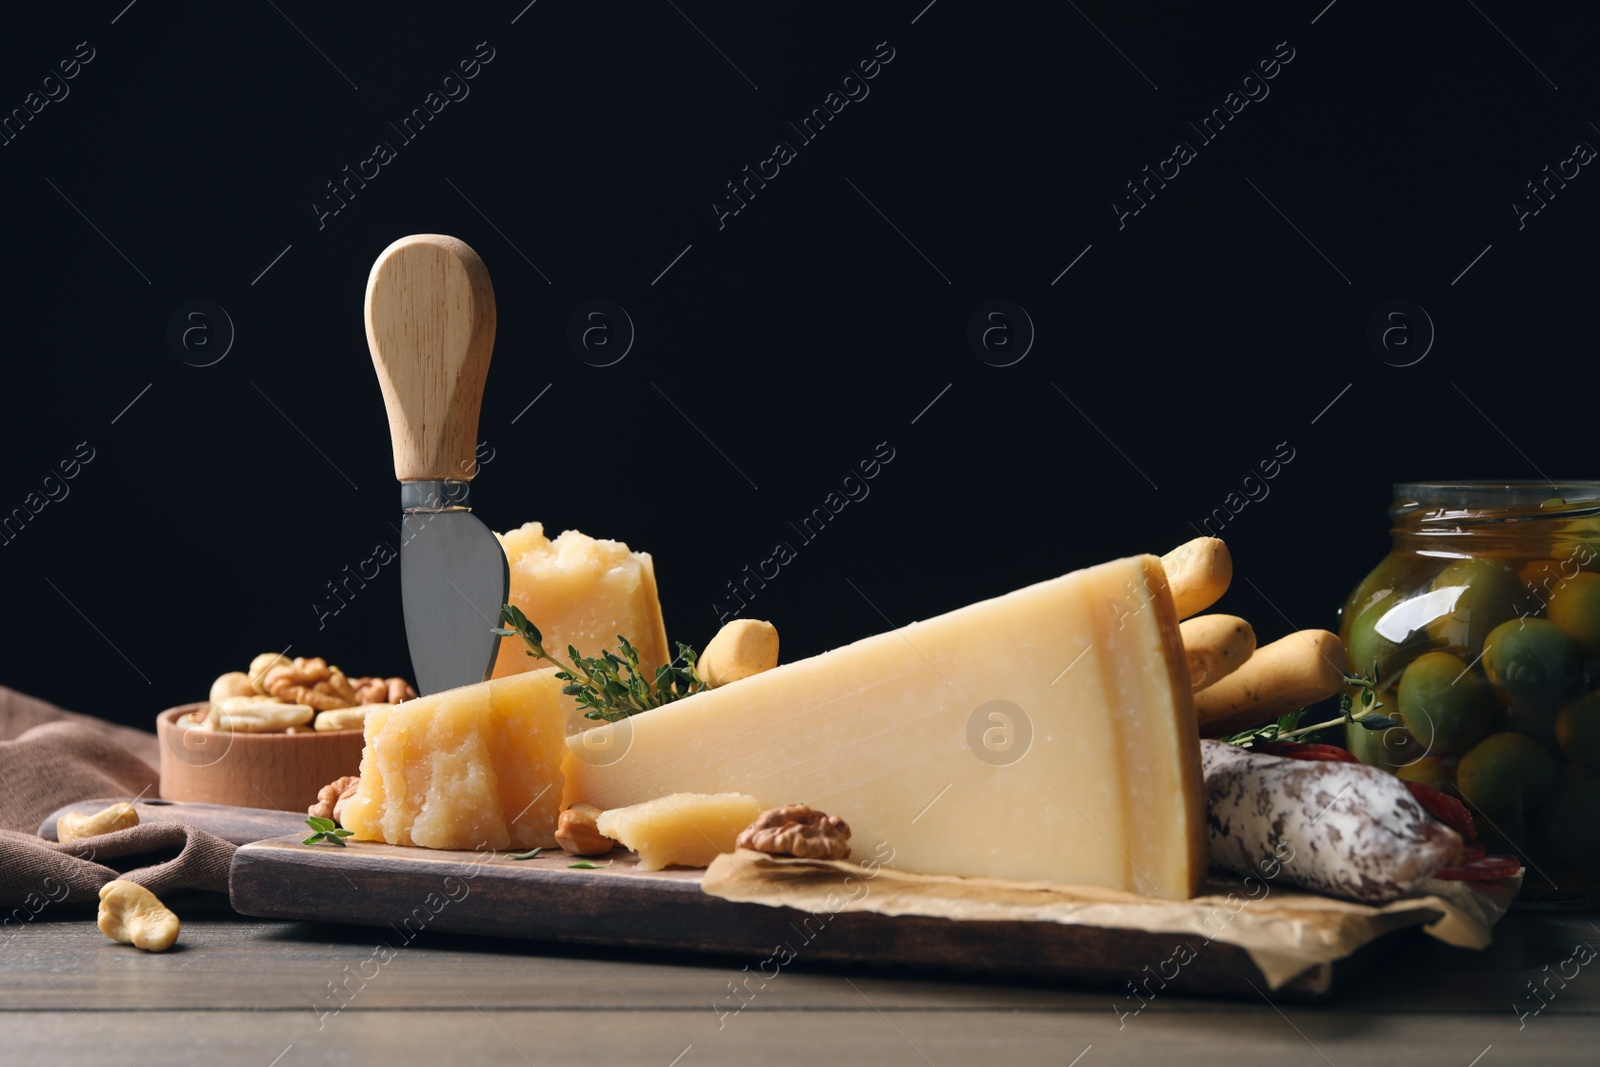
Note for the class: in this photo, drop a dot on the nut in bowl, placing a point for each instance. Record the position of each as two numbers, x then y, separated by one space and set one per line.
272 736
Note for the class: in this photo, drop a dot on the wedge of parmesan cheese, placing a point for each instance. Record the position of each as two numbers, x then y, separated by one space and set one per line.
682 829
581 591
1047 734
469 768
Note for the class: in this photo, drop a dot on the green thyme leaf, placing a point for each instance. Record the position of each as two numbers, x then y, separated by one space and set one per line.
326 830
585 865
530 854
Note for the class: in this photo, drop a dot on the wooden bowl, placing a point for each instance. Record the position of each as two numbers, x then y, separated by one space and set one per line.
282 772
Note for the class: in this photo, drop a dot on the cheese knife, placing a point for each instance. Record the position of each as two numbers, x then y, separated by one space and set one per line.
430 316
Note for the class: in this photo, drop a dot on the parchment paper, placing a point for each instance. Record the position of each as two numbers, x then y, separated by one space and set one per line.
1285 930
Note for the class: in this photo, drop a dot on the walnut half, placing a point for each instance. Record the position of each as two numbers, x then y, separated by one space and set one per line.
382 690
798 830
332 797
311 682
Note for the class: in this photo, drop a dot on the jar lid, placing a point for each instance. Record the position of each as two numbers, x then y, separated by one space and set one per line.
1492 501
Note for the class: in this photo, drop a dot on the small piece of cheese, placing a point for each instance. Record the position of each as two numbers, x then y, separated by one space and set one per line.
1046 734
474 767
687 829
585 592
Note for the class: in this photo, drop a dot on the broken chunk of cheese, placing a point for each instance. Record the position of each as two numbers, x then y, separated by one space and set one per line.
474 767
687 829
584 592
1046 734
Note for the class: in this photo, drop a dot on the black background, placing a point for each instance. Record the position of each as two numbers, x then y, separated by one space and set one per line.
1191 342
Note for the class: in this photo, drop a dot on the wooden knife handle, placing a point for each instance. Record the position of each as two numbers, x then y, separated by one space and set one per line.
430 324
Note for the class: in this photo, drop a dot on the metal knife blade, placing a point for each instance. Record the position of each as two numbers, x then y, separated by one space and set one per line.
430 314
453 579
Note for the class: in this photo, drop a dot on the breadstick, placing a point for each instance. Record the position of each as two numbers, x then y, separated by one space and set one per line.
1289 673
1198 572
1216 646
741 648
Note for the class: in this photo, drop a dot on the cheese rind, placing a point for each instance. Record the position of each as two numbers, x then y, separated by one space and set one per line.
581 591
685 829
1047 734
475 767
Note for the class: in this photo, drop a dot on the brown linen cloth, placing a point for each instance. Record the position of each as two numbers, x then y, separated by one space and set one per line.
50 758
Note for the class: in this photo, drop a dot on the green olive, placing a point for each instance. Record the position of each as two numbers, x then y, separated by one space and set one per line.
1578 730
1364 645
1537 577
1506 775
1486 593
1396 574
1443 704
1579 540
1575 607
1569 824
1390 748
1531 660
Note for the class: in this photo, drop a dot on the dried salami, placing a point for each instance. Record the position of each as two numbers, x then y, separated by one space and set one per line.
1353 831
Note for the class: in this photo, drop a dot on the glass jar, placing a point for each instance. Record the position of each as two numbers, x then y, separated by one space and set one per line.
1483 625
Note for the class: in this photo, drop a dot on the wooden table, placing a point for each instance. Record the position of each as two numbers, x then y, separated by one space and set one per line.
259 994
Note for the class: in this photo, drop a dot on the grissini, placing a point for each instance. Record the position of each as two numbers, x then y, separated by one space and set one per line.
1215 646
741 648
1291 672
1198 573
1345 829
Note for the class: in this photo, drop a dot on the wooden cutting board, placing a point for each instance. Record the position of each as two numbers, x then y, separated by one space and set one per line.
404 891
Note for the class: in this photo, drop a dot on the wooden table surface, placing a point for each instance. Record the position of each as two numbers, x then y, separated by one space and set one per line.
260 994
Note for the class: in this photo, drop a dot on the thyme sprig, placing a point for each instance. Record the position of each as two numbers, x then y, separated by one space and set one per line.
610 686
1272 731
1359 707
325 830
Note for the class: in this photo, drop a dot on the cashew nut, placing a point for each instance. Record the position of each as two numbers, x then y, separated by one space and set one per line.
130 913
577 834
257 715
232 684
346 718
741 648
75 827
